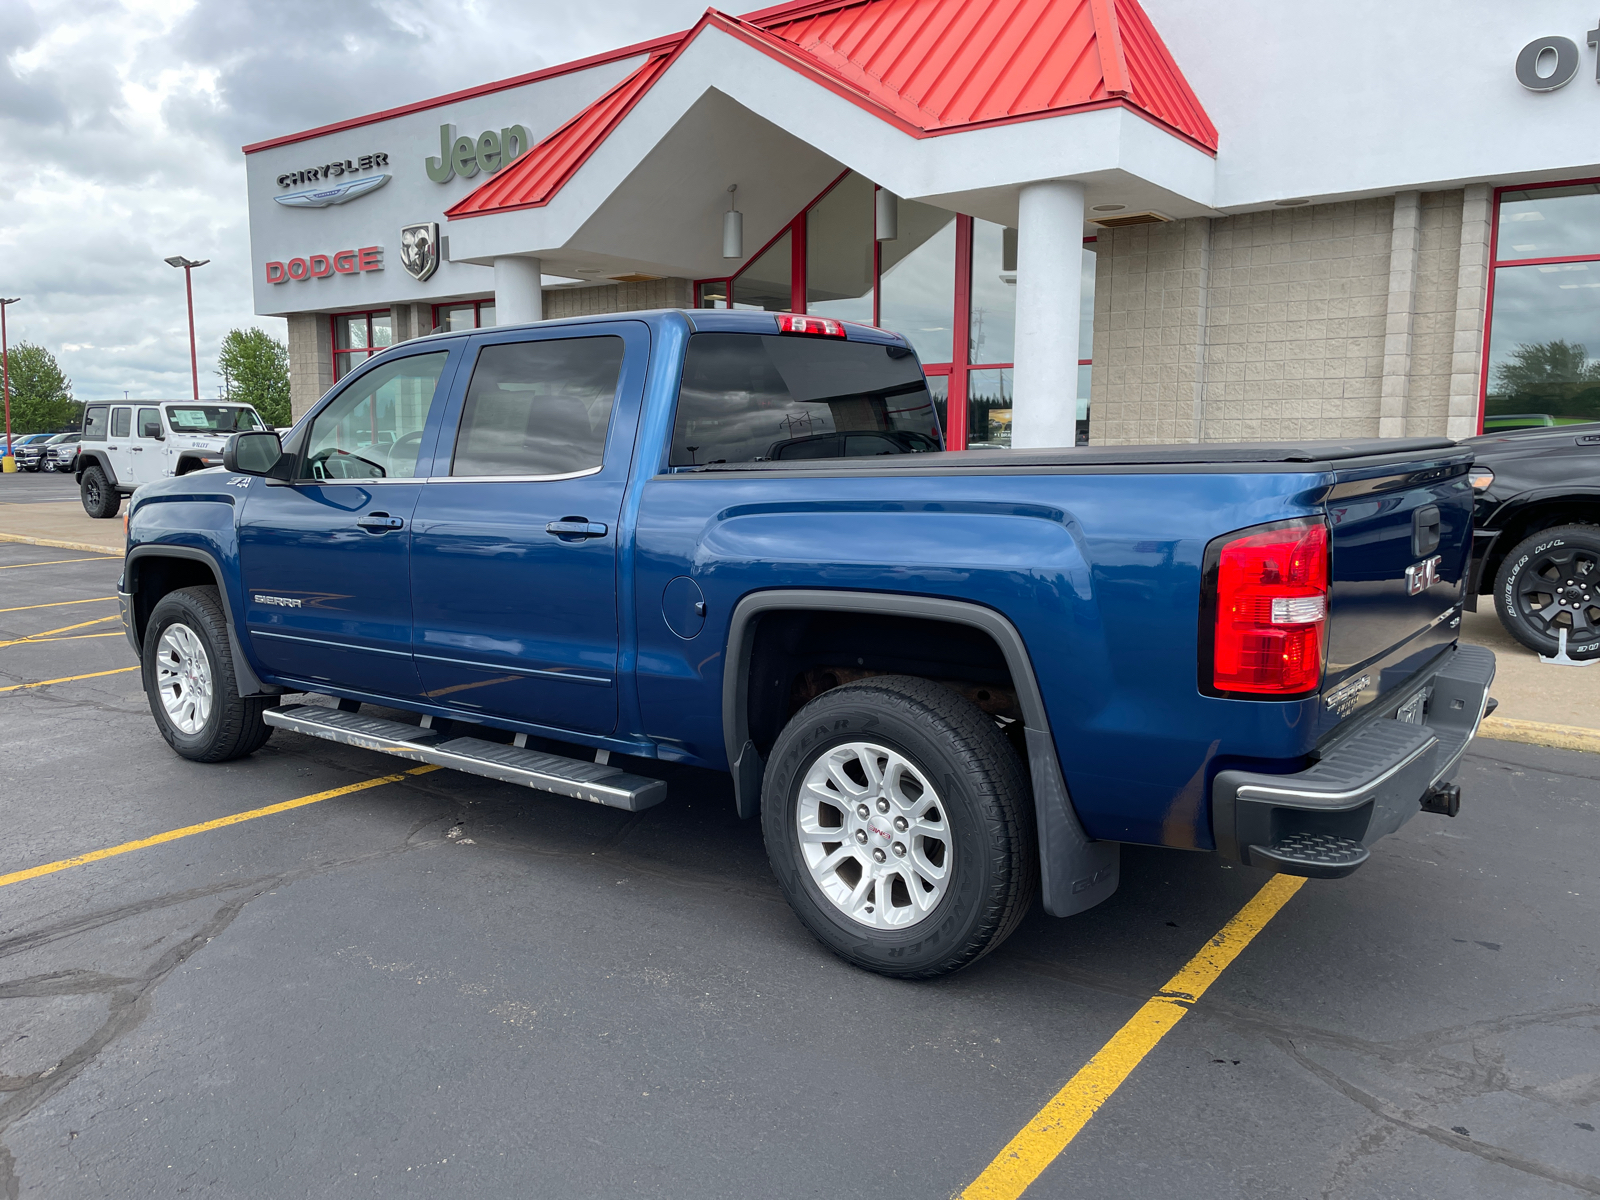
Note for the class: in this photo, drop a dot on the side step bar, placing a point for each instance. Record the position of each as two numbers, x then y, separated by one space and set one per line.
594 782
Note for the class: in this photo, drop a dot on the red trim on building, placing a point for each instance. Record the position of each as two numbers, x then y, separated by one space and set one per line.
955 436
580 64
987 63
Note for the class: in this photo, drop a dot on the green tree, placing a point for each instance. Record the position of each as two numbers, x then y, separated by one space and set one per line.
256 366
1558 378
41 396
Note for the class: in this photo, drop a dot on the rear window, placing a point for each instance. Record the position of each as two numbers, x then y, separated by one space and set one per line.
754 397
211 418
538 409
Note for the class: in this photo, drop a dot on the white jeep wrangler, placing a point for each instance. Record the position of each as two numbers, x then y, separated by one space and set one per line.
125 445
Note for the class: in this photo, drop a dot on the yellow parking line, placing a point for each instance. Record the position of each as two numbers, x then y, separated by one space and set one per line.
33 637
56 562
45 641
173 835
17 687
56 603
1058 1122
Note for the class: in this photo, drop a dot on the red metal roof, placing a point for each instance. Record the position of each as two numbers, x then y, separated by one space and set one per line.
929 67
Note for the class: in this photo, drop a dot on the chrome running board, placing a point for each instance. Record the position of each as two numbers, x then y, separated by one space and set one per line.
594 782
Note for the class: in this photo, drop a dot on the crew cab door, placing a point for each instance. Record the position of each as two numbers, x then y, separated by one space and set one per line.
325 557
514 560
146 448
119 446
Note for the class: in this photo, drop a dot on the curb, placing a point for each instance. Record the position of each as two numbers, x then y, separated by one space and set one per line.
35 541
1541 733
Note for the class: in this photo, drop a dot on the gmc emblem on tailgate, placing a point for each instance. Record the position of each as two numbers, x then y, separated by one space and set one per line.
1423 575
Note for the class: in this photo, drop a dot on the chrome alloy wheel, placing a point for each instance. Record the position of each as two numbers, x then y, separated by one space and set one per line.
875 835
183 678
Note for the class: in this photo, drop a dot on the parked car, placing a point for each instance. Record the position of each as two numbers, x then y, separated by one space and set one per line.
1536 534
28 450
946 683
61 452
125 445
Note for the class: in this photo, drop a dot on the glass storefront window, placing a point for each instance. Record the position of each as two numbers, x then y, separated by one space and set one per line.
765 283
1544 346
989 409
1556 222
712 294
840 260
472 314
357 337
994 293
918 283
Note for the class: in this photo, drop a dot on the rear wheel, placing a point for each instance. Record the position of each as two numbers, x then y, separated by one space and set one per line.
99 498
1550 584
900 826
189 680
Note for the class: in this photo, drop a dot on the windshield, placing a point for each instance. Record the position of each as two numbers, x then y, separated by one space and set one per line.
212 418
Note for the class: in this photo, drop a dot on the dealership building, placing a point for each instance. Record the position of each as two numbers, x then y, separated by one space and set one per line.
1093 219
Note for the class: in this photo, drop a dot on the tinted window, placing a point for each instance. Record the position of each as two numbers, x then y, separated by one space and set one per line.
121 421
373 429
750 397
94 423
539 408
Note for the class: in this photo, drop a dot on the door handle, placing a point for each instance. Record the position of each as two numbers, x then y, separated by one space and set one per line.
575 529
380 522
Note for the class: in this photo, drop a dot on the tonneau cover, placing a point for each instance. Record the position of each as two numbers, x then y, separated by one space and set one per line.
1189 454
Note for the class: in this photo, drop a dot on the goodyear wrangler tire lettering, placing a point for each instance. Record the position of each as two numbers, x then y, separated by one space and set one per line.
887 739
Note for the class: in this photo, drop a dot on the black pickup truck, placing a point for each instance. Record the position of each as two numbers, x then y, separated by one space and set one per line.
1536 534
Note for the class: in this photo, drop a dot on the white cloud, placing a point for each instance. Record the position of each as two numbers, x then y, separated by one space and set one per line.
120 128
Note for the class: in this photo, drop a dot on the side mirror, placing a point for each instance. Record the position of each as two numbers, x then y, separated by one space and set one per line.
252 453
152 429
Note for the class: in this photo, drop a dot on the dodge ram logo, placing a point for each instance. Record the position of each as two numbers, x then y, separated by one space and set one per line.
1423 575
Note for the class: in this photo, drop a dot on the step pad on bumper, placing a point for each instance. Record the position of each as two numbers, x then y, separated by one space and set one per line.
598 784
1313 855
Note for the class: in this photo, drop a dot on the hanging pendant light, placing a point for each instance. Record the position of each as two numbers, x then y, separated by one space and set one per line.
732 228
888 215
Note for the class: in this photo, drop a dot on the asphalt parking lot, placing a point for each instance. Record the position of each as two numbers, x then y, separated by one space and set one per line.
443 985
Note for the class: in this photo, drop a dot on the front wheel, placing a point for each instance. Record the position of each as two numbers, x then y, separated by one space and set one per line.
99 498
189 680
900 826
1550 583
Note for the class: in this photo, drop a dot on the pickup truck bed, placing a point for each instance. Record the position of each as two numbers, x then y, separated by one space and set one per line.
915 664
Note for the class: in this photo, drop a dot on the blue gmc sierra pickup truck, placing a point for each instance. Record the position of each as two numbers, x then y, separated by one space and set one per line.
949 684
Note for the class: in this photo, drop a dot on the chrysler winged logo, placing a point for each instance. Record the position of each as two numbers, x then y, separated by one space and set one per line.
419 249
338 193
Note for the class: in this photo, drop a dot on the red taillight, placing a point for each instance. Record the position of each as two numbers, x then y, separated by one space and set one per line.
816 326
1271 610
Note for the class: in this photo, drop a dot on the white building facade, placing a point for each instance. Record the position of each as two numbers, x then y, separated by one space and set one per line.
1095 220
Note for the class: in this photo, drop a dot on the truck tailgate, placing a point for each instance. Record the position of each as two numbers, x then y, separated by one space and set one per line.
1401 537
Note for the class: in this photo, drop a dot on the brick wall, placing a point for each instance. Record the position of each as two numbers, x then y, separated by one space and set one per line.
310 360
617 297
1274 324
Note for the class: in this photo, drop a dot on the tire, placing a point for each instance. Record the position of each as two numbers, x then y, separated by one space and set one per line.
952 772
99 498
1551 581
197 651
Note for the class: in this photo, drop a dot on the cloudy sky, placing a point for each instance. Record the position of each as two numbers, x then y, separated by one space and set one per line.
120 128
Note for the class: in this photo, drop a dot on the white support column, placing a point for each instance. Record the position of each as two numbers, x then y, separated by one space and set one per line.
1044 408
517 295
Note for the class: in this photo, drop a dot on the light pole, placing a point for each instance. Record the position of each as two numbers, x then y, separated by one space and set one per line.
189 264
5 368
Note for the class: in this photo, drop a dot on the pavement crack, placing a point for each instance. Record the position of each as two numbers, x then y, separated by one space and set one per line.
1588 1184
